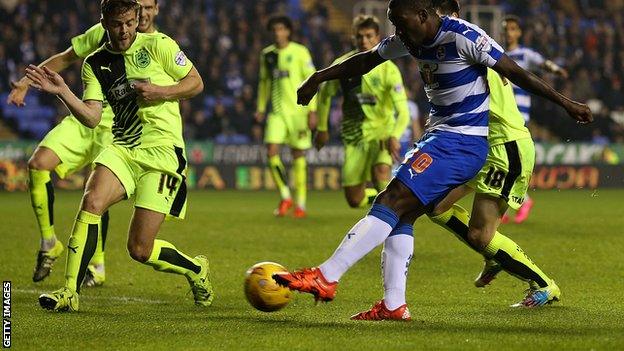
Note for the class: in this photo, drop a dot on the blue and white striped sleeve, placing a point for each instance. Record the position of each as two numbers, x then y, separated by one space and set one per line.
390 48
479 48
535 58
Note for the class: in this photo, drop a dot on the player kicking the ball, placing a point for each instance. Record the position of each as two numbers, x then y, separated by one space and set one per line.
369 131
68 148
453 57
142 77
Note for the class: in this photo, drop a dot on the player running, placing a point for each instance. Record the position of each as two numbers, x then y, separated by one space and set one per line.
453 58
68 148
369 131
142 77
283 66
528 59
501 183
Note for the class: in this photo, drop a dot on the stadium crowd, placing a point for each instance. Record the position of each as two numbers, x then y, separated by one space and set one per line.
224 39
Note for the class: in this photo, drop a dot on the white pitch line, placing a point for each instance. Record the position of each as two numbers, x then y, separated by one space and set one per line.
127 299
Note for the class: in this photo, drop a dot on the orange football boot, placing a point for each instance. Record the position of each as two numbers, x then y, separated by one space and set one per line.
379 312
309 280
299 212
283 208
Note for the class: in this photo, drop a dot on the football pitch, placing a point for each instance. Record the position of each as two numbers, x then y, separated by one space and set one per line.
577 237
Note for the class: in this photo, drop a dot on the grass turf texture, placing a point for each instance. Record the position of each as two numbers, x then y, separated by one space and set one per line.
575 236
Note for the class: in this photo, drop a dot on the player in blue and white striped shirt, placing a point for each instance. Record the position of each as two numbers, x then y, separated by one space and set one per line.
453 56
528 59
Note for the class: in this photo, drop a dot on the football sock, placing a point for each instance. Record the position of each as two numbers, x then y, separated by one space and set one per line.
502 249
369 198
81 247
365 235
300 173
278 172
98 256
42 200
395 261
455 220
166 258
514 261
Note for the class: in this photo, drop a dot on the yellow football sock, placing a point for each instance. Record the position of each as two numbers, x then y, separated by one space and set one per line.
98 256
369 198
278 172
166 258
81 247
455 220
514 261
301 180
42 200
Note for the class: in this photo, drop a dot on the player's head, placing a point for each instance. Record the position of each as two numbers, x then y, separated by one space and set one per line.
512 29
120 18
414 20
365 32
149 11
281 27
448 8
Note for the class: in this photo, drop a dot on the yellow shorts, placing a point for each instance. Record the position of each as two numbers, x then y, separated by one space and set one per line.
291 130
154 175
360 159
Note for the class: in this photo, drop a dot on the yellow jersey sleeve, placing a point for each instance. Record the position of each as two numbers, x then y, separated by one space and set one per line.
399 100
172 59
89 41
92 90
264 86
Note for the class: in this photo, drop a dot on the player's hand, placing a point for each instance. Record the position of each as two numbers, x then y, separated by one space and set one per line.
312 120
307 90
18 92
320 139
394 147
580 112
259 117
563 73
148 91
45 79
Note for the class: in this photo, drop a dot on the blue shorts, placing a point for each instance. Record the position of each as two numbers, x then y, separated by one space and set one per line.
440 162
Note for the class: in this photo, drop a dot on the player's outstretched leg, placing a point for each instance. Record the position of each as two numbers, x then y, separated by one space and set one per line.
42 200
96 273
165 257
395 260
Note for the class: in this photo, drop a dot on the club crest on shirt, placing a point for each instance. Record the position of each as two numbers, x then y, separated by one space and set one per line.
441 53
180 58
142 58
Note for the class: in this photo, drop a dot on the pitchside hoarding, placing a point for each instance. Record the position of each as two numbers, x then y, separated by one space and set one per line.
212 166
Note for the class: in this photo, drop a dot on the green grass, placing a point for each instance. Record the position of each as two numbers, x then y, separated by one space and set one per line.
577 237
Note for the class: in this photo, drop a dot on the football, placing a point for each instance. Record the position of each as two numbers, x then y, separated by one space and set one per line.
262 292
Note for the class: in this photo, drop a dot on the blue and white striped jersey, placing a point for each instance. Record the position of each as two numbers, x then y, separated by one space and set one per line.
528 59
454 69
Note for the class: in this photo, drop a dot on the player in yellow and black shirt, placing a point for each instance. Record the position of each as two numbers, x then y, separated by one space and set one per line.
68 148
283 66
142 77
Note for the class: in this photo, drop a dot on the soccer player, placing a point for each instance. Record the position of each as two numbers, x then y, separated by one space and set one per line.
453 58
142 77
369 131
528 59
283 66
68 148
501 183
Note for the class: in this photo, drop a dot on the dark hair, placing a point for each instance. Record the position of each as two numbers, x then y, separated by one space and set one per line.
365 22
512 18
115 7
447 7
413 4
280 19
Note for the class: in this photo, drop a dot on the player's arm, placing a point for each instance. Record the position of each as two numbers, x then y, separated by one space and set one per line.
56 63
327 91
88 112
177 66
82 45
533 84
550 66
264 87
